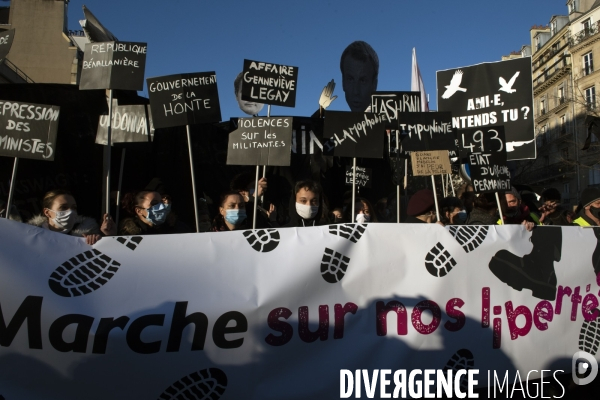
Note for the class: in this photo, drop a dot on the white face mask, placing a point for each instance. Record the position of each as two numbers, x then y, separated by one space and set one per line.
64 219
362 218
306 211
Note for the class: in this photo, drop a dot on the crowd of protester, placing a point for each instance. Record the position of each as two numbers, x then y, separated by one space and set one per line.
150 212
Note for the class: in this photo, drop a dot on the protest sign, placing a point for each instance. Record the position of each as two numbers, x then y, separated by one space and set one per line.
28 130
363 176
485 150
425 131
6 41
184 99
130 124
490 94
390 104
434 162
222 309
113 65
355 134
269 83
261 141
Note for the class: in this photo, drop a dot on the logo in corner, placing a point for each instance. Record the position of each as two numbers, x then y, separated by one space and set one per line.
83 274
333 265
263 240
206 384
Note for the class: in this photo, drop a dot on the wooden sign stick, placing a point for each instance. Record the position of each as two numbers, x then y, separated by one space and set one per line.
189 139
12 187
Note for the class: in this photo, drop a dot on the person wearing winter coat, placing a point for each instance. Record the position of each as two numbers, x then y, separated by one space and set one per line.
150 215
59 214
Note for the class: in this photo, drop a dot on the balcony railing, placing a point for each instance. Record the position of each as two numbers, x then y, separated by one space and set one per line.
16 70
584 34
558 66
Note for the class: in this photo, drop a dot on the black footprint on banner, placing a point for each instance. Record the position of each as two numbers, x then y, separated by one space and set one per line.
352 232
82 274
206 384
263 240
130 242
333 266
469 236
438 261
462 359
589 336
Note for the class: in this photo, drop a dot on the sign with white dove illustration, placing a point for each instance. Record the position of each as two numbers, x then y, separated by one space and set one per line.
499 93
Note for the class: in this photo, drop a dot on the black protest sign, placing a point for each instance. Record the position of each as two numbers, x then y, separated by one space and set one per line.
390 104
486 150
184 99
492 94
363 176
425 131
6 41
28 130
269 83
261 141
130 124
113 65
355 134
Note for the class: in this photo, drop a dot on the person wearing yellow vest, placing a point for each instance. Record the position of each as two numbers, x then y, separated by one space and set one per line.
589 215
517 213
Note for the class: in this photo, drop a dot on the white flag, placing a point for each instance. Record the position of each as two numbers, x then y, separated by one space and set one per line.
416 82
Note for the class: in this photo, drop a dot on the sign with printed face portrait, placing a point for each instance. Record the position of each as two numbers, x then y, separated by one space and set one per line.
184 99
113 65
269 83
355 134
28 130
261 141
499 93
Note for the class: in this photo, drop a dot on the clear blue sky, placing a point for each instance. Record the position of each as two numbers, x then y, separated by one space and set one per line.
203 35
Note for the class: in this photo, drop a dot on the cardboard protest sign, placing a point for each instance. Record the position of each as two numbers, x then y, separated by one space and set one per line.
486 153
425 131
363 176
269 83
184 99
261 141
489 94
425 163
28 130
355 134
130 124
6 41
390 104
113 65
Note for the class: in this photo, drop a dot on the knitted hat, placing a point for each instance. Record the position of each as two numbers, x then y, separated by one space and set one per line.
590 195
420 202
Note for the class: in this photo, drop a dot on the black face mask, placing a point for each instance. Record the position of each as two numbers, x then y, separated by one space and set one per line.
595 211
512 211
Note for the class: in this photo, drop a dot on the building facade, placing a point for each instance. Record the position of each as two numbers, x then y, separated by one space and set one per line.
564 84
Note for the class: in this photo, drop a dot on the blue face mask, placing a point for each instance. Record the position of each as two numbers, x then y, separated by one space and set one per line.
460 217
157 214
235 217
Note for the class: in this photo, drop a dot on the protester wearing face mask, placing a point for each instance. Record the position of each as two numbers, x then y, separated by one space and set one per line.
244 184
517 213
306 204
148 215
589 215
363 212
232 214
452 211
60 215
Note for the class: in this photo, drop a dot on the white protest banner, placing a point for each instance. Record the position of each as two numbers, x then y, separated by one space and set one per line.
287 313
